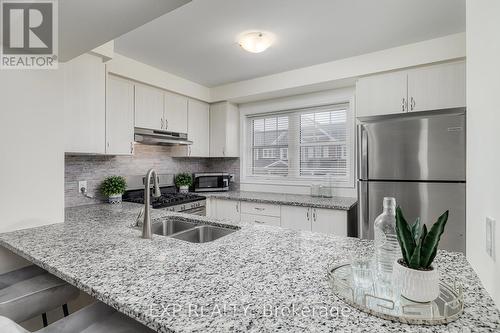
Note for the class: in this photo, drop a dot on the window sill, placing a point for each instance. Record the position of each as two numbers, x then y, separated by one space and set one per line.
304 182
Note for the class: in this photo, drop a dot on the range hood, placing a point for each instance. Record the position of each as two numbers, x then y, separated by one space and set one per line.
158 137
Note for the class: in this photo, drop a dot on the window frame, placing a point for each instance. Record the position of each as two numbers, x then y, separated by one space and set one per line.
295 180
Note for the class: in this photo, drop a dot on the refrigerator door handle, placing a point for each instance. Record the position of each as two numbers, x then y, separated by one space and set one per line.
364 223
362 152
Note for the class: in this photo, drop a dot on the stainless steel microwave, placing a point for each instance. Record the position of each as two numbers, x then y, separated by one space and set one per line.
211 181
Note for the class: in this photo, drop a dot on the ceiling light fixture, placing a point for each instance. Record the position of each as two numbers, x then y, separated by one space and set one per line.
255 42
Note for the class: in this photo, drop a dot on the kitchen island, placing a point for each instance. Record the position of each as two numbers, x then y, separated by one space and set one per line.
258 279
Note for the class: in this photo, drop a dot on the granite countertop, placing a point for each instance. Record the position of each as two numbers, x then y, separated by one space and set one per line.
340 203
252 280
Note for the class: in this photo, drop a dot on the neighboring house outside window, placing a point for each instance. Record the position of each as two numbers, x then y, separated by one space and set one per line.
301 144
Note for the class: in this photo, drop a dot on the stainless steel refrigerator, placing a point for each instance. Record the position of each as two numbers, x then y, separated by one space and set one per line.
418 158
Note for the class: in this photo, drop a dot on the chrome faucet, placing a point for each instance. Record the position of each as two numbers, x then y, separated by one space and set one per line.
146 224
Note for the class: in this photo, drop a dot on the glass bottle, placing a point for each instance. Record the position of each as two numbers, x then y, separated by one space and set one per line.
387 249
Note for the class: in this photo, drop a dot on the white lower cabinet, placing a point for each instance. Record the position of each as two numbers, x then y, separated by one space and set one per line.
297 218
227 209
329 221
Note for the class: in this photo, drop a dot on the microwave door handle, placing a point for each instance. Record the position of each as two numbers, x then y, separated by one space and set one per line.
362 152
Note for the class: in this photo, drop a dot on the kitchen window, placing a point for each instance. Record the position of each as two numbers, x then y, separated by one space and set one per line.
302 144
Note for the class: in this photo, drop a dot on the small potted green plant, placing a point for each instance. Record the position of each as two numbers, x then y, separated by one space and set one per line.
418 278
113 187
183 181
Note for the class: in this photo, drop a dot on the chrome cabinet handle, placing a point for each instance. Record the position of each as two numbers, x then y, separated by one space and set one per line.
258 208
260 222
166 123
314 214
131 147
307 214
412 103
237 208
161 123
404 105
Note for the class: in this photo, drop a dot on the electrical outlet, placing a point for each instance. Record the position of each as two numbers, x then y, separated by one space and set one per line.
82 184
490 237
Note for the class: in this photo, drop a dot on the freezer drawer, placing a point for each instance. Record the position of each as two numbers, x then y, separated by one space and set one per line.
417 199
418 148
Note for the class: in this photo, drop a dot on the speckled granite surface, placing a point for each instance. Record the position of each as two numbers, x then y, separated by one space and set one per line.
340 203
258 279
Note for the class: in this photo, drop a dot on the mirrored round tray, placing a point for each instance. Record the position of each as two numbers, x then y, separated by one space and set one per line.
378 299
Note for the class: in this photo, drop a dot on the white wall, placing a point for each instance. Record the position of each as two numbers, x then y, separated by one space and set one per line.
322 76
483 137
287 103
135 70
31 151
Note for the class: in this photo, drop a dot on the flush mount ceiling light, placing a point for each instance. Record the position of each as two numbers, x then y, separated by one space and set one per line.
255 42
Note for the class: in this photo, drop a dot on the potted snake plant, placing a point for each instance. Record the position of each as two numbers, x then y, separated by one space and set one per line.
418 278
113 187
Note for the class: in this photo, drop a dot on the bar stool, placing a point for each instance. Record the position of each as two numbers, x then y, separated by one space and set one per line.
31 291
95 318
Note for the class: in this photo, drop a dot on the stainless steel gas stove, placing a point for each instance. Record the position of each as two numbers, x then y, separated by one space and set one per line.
170 199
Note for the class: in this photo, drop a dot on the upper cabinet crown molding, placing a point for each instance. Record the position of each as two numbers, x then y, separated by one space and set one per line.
420 89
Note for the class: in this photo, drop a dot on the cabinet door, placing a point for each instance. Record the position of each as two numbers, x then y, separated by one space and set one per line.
198 128
381 94
437 87
329 221
232 148
217 130
297 218
175 112
148 107
228 209
85 105
119 116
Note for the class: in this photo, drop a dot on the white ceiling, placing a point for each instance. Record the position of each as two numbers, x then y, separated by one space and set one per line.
198 41
87 24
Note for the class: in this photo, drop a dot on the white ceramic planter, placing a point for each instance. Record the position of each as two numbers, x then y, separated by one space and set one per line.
417 286
184 189
115 199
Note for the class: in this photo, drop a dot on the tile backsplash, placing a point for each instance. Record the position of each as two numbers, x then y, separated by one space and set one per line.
94 168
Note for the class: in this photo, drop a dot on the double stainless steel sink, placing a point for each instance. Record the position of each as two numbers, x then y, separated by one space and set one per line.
189 231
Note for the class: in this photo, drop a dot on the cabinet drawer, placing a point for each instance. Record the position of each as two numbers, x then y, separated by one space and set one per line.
260 209
261 219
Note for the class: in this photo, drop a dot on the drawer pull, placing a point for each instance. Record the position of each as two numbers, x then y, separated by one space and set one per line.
258 208
260 222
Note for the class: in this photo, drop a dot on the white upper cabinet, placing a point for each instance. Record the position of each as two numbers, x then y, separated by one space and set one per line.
224 130
84 105
149 107
329 221
175 112
381 94
297 218
198 128
119 116
421 89
437 87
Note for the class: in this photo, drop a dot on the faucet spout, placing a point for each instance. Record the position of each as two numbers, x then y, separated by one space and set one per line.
146 224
